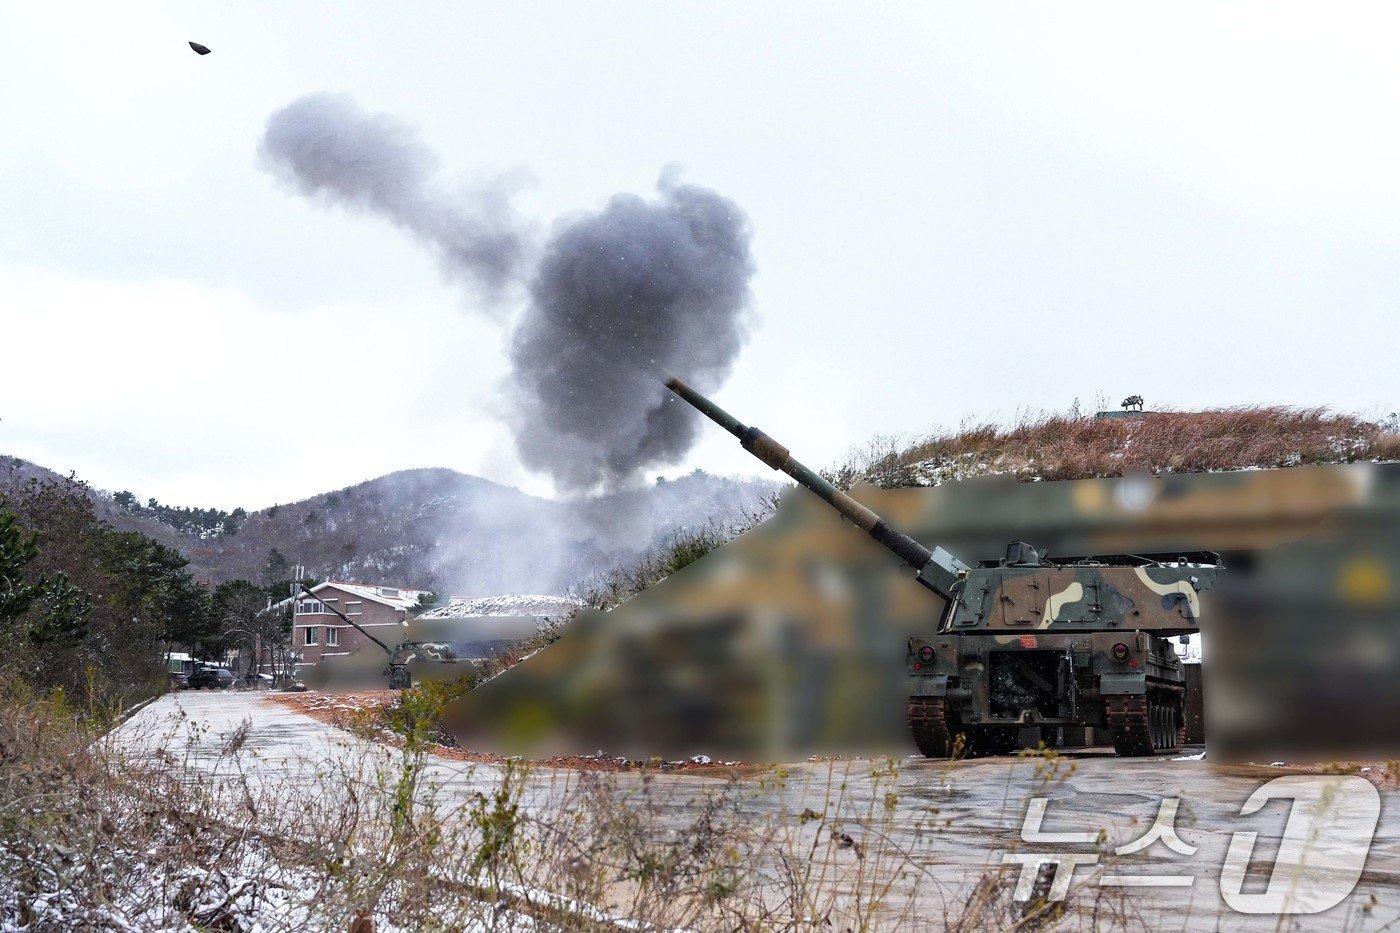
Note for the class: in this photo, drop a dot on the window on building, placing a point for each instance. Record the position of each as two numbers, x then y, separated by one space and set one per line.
311 632
389 592
354 608
309 607
332 637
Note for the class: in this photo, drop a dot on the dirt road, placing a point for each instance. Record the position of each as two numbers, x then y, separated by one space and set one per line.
923 833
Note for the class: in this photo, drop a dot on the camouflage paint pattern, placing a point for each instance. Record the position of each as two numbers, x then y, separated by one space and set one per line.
1164 599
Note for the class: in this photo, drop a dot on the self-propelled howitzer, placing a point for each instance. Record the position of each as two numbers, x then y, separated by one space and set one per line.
1024 643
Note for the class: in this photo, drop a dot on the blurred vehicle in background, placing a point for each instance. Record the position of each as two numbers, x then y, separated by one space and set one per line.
210 676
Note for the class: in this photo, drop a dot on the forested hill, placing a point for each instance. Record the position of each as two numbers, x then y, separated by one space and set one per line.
431 529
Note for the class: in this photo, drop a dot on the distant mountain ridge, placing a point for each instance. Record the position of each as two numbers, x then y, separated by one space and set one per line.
441 530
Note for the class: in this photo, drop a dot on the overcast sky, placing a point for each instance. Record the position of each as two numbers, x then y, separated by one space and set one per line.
958 212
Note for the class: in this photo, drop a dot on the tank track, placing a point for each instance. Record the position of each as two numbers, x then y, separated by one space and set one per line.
1134 719
928 724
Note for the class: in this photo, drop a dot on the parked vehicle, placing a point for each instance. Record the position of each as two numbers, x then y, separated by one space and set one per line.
211 676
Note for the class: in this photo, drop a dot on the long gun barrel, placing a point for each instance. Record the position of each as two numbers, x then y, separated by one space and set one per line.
938 570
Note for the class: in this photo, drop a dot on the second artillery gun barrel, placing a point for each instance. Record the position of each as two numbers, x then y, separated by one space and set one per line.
937 569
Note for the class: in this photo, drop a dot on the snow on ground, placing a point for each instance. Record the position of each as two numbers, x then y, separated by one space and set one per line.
976 806
245 738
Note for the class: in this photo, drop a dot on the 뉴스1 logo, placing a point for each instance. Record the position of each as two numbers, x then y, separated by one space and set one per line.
1320 857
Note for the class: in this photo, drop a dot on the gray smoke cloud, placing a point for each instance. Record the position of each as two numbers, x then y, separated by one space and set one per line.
330 150
622 298
619 299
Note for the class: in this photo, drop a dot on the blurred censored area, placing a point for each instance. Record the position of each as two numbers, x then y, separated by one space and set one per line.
429 649
790 640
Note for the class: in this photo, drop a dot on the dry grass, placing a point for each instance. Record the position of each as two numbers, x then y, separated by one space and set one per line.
1072 446
193 836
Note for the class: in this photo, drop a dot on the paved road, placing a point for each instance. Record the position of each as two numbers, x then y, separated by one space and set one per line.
944 826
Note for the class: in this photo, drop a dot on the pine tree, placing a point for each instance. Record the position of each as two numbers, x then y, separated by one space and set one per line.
16 551
62 608
277 569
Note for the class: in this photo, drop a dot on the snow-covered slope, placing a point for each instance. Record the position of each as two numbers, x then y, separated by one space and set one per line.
461 607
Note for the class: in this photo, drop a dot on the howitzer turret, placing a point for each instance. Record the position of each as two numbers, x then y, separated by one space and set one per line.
1025 643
